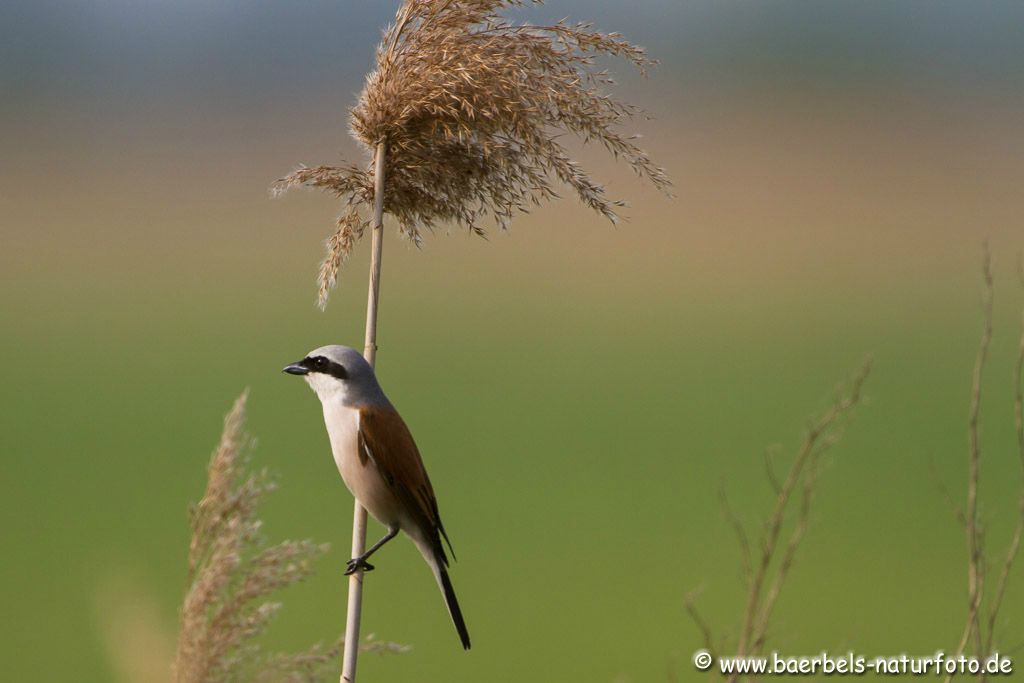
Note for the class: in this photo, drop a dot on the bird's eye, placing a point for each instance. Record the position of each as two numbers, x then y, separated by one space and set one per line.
320 362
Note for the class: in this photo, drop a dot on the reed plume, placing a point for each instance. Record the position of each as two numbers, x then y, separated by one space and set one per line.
472 109
231 572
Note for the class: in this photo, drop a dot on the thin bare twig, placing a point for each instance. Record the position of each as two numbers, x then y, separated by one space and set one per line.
797 535
769 468
690 602
741 535
933 472
975 569
1018 532
819 435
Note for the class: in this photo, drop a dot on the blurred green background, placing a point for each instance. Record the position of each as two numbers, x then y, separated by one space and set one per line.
580 392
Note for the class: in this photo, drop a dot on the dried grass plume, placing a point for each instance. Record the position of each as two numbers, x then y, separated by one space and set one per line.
472 109
230 574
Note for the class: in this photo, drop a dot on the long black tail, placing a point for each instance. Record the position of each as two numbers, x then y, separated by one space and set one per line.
453 605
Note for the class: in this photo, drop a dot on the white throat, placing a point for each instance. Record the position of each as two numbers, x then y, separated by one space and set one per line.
328 389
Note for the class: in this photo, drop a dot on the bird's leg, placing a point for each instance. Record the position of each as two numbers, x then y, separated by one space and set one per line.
357 563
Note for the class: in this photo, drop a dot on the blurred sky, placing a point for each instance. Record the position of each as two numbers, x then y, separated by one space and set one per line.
122 53
111 63
168 97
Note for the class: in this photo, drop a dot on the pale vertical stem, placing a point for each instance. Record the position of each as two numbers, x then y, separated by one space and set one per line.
373 296
355 581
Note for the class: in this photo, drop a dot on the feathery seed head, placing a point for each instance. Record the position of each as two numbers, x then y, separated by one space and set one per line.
231 572
471 108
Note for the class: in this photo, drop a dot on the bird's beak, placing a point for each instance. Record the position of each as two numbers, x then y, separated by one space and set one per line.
296 369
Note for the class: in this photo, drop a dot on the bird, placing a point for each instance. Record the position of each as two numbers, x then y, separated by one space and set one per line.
379 462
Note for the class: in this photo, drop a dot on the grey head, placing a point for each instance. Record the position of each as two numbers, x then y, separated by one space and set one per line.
339 373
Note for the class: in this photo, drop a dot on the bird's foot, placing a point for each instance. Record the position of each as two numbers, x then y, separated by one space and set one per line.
356 564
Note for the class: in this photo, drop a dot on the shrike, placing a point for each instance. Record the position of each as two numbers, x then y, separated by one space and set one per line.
379 461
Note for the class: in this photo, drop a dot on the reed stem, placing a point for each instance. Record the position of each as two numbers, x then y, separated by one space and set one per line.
355 581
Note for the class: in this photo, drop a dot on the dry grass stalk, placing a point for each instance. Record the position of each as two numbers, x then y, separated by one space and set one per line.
231 572
760 631
746 557
690 603
354 609
975 557
1018 532
978 629
473 108
947 496
823 432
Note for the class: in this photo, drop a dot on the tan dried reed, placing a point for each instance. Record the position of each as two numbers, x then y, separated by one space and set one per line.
230 573
472 109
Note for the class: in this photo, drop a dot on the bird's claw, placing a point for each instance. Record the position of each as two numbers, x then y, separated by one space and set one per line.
356 564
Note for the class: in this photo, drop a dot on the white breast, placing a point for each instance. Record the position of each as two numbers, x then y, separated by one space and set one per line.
362 479
343 429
